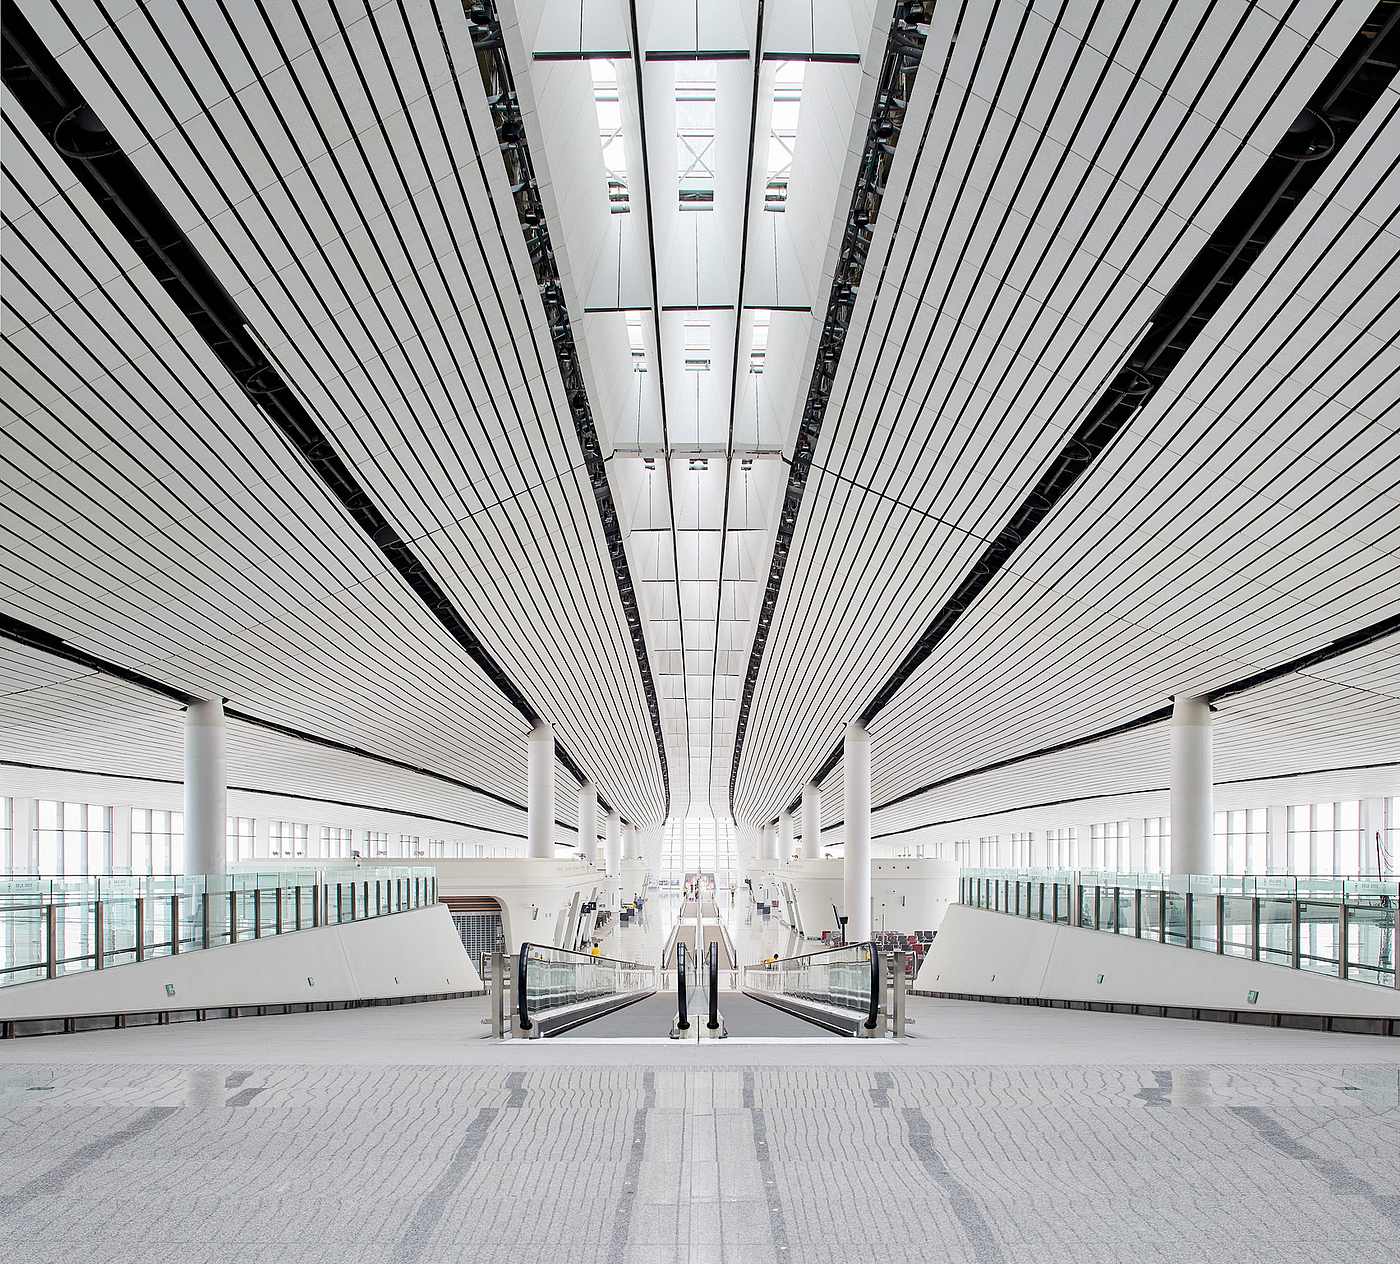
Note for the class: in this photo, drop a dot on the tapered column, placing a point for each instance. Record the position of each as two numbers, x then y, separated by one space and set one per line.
206 789
612 844
785 837
811 821
857 833
539 830
588 821
1193 819
631 845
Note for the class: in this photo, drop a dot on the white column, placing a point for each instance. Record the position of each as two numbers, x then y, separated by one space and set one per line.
811 821
1193 818
629 842
857 833
540 797
785 837
767 843
588 821
206 789
612 844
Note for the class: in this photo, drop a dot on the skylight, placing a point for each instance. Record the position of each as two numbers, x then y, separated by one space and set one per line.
605 98
695 135
782 138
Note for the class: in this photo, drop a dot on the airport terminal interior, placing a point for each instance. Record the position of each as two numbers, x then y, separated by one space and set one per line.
700 631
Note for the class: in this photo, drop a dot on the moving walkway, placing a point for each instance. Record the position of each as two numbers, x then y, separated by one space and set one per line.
840 989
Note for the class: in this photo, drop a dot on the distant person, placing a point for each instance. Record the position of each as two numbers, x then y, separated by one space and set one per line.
597 950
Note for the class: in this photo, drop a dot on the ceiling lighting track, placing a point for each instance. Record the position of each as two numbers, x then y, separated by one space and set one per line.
734 381
1336 109
903 52
499 83
58 110
46 643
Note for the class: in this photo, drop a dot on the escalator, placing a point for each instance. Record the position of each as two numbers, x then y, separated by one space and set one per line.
837 990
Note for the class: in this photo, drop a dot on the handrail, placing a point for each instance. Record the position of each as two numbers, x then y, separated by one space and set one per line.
682 1021
713 1024
520 1005
877 988
521 994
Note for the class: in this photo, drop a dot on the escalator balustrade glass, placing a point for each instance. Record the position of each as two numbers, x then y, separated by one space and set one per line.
845 981
555 979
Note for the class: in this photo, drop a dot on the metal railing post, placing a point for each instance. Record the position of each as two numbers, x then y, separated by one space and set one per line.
901 963
257 912
1297 934
175 925
51 938
204 912
339 903
277 912
1190 905
233 917
1137 912
1254 924
1343 927
97 920
1162 915
499 1009
1098 918
1220 923
140 928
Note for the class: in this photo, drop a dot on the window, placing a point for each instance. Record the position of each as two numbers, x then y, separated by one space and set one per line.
240 838
410 845
1109 843
1059 848
157 841
1157 844
1023 850
435 848
287 839
699 844
782 136
695 135
74 838
1241 840
9 862
609 107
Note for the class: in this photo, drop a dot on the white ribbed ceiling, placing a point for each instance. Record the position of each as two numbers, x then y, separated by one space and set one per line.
1059 167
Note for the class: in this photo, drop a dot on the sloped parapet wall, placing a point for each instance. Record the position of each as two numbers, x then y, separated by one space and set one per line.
403 955
981 953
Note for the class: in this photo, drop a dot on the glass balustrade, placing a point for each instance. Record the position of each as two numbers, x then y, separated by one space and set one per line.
1343 927
51 927
554 979
846 980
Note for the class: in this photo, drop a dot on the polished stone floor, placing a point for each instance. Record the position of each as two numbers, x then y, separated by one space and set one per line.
992 1134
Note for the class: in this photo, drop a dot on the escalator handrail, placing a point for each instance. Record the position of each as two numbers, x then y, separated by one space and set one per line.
877 981
520 993
821 952
713 1024
877 987
682 1021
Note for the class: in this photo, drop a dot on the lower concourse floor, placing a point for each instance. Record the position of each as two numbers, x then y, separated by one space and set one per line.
992 1134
